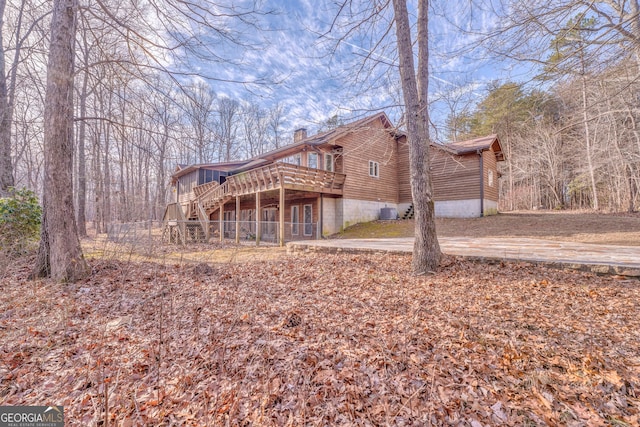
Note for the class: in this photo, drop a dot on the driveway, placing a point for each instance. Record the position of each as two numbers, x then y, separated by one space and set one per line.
602 259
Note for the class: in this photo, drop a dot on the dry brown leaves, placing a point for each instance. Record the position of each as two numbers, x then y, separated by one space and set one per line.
325 340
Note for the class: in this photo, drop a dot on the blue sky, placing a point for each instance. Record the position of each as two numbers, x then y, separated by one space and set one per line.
313 85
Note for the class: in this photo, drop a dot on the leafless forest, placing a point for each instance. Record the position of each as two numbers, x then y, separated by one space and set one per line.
571 134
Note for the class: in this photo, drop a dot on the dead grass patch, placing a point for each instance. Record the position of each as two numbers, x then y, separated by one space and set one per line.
611 229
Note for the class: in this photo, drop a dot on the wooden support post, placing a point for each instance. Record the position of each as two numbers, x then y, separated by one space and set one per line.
237 220
206 227
221 222
183 229
258 226
281 214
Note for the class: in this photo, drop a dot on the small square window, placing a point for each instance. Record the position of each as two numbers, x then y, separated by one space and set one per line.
374 169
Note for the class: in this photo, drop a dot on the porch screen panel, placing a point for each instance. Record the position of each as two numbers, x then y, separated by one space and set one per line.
308 220
295 220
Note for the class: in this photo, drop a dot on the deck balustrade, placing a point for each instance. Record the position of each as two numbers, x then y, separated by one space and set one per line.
270 177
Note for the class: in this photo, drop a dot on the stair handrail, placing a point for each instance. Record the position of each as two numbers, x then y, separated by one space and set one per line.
211 186
204 220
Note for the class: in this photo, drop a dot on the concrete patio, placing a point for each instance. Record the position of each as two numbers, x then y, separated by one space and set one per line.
601 259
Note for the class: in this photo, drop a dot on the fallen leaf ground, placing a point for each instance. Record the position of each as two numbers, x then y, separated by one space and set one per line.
318 341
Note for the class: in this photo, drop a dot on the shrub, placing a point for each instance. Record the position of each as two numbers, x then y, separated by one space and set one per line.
20 217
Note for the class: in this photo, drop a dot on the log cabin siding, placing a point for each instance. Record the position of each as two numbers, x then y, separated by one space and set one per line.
455 177
359 147
490 164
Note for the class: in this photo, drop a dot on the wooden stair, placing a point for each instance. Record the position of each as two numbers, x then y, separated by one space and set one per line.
409 213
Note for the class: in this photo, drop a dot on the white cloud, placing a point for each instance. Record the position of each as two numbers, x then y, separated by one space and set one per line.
313 86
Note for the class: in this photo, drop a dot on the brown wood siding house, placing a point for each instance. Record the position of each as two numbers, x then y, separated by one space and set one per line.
465 177
460 188
323 183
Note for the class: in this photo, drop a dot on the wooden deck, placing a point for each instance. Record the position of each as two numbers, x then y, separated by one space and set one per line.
209 197
270 177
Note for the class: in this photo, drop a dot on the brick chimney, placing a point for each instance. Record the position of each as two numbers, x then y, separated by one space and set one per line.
299 134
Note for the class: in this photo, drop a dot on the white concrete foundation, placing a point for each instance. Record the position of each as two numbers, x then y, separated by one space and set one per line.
338 214
465 208
330 216
490 207
355 211
458 208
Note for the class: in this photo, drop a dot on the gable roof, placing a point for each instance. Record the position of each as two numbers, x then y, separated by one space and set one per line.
477 144
322 138
328 137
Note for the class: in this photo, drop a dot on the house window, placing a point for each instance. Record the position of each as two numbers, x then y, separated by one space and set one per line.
312 160
296 159
328 162
374 169
295 219
308 220
208 175
490 178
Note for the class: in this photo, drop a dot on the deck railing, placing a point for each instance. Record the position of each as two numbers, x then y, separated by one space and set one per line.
270 177
214 197
275 175
202 190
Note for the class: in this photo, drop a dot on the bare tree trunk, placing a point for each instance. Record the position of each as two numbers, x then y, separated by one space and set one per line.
426 249
587 139
99 186
82 163
510 169
106 180
6 167
60 255
160 201
275 121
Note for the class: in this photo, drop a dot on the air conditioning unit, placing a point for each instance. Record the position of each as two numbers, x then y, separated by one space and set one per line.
387 214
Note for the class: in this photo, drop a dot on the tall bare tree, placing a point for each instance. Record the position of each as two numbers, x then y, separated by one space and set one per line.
60 255
275 122
254 129
415 89
383 57
228 123
6 167
200 106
